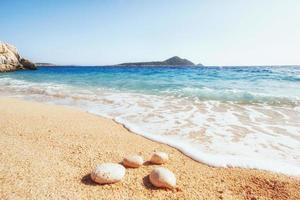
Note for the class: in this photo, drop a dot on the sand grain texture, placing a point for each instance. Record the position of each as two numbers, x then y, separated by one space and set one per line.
47 152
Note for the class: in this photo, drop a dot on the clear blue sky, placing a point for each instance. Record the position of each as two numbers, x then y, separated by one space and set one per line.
213 32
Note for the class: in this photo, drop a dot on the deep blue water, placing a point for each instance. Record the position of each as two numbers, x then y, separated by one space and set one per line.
239 84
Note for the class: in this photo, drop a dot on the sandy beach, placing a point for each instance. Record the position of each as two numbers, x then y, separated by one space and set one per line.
48 151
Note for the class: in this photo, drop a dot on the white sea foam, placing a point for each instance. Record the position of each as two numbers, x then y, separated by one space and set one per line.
220 134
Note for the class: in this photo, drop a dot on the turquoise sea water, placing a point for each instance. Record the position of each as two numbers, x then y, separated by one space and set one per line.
223 116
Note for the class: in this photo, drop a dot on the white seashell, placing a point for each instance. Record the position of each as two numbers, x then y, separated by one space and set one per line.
108 173
159 157
163 178
133 161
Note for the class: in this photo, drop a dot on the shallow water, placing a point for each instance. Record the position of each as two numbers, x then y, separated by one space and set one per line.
231 116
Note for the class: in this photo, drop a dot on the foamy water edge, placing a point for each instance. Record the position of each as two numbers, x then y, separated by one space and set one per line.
178 143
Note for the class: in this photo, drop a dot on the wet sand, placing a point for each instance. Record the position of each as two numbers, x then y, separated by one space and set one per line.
47 152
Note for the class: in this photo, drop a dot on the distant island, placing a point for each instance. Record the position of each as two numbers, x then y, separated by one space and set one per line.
174 61
45 64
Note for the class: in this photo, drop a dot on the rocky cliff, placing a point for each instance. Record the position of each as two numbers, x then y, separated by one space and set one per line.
10 60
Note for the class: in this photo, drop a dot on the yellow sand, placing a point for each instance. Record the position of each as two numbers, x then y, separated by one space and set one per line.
48 151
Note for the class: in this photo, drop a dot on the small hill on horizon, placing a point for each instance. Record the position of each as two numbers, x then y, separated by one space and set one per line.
173 61
41 64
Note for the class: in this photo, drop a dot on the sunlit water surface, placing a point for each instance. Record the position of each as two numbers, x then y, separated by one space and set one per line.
231 116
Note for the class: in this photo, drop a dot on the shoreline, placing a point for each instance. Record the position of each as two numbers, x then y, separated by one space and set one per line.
200 157
57 164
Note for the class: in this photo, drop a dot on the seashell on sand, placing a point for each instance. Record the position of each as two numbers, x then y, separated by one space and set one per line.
108 173
133 161
159 157
163 178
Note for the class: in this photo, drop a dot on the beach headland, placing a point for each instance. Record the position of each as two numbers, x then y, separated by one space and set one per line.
10 59
48 151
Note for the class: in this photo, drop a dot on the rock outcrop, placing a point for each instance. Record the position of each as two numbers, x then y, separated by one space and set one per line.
10 60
